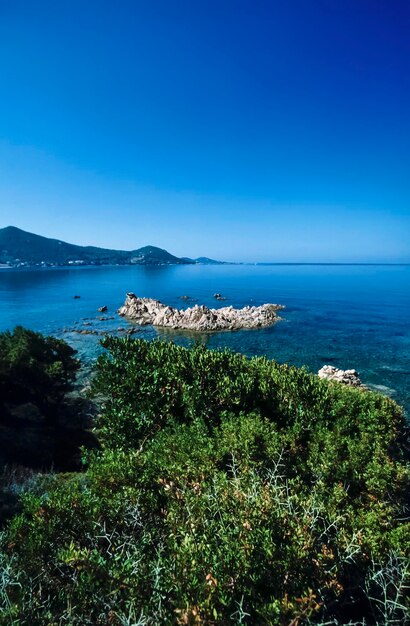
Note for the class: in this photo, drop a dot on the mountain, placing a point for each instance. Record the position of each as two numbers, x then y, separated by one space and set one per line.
20 248
150 255
203 260
206 261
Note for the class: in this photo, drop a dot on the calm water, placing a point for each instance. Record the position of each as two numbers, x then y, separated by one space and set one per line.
347 316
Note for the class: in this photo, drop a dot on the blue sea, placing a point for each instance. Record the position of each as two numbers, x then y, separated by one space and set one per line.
350 316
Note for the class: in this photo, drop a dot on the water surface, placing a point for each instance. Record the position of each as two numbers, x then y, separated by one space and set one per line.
350 316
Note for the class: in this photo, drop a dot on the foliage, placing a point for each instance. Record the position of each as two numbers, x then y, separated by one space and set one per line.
229 491
34 368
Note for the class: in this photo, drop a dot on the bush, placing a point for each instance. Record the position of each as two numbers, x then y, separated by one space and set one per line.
36 369
229 491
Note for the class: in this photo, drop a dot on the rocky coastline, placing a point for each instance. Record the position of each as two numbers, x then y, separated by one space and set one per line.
147 311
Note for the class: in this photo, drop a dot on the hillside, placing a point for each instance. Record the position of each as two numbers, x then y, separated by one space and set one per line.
203 260
21 248
150 255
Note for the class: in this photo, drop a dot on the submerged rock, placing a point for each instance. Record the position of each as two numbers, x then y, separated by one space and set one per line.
144 311
347 377
132 331
188 299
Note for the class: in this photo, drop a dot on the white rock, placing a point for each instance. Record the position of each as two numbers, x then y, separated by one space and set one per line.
145 311
347 377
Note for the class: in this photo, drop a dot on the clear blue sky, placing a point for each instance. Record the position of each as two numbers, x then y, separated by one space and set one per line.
251 131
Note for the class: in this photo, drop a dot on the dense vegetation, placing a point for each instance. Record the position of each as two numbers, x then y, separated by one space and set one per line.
228 491
39 425
35 369
43 421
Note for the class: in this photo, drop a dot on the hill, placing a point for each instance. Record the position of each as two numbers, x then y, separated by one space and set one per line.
203 260
21 248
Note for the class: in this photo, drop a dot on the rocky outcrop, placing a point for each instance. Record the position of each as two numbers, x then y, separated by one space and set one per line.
347 377
146 311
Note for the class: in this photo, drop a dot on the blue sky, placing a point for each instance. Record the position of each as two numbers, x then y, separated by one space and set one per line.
250 131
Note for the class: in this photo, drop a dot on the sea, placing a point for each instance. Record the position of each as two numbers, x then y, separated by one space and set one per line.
349 316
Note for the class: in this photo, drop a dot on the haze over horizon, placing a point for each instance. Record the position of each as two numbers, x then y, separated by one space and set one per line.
261 132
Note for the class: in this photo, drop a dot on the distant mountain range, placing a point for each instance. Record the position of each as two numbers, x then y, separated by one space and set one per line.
19 248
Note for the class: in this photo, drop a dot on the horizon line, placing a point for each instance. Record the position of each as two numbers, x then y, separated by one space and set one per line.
375 263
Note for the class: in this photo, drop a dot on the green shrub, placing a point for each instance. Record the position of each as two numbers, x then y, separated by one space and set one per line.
34 368
229 491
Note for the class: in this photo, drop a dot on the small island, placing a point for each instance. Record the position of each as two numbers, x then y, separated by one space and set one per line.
147 311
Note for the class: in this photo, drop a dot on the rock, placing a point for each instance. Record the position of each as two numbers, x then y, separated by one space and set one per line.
146 311
347 377
132 331
103 309
219 296
188 299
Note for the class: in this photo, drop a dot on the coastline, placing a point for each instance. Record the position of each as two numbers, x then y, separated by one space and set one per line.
345 316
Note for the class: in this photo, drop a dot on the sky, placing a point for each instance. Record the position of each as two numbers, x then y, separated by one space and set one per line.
252 130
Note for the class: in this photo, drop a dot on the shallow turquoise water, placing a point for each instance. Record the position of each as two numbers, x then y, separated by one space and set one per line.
350 316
